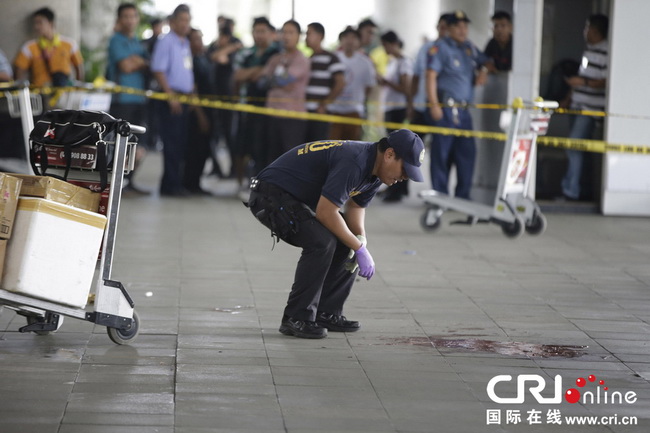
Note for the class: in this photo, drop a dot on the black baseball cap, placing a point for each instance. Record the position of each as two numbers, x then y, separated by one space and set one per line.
410 148
457 16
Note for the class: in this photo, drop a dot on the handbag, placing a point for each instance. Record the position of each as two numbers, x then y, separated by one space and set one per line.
78 139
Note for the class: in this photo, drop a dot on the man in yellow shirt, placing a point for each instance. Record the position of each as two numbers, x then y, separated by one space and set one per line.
50 58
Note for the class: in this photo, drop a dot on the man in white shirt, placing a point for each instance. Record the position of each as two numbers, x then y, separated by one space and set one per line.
359 79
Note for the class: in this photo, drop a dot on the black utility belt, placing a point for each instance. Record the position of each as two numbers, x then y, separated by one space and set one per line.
451 102
280 211
265 187
279 198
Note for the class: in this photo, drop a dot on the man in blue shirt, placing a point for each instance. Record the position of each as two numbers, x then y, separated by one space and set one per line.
171 64
314 197
454 66
127 65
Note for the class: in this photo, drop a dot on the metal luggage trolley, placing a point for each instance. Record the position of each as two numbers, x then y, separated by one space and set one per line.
85 96
21 103
512 209
113 307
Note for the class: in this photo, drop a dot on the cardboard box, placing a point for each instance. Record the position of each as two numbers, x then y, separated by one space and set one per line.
59 191
95 186
3 248
52 254
9 192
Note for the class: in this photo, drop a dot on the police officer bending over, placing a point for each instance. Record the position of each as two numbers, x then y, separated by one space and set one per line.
314 197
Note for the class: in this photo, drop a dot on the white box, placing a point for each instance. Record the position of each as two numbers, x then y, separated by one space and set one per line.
53 251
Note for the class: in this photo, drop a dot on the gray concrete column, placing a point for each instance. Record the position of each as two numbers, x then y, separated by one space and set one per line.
526 61
243 12
480 29
412 20
16 25
626 183
527 49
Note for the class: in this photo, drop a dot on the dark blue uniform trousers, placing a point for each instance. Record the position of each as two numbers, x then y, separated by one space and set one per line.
321 282
448 150
174 134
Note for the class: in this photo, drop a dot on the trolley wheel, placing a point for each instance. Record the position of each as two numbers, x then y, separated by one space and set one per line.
514 229
40 319
537 225
430 219
121 336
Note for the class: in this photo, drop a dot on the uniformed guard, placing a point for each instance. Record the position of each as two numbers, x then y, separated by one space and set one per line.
454 66
314 197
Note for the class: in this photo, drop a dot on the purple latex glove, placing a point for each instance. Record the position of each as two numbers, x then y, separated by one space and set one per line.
366 263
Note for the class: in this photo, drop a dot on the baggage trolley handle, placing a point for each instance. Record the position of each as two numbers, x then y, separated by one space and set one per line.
113 307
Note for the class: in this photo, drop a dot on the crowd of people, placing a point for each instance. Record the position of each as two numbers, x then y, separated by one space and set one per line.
435 88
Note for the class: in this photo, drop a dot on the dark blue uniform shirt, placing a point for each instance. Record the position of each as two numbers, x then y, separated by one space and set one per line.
338 170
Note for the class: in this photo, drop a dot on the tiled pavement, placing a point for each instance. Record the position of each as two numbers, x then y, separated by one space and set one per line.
209 358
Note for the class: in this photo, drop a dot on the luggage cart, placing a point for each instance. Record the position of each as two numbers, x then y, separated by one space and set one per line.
512 209
113 307
85 96
21 103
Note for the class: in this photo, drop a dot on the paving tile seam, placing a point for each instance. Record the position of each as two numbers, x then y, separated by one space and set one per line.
553 307
440 354
496 323
372 385
69 398
531 359
266 350
176 349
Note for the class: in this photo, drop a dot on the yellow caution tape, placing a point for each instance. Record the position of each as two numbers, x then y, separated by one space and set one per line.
220 102
596 146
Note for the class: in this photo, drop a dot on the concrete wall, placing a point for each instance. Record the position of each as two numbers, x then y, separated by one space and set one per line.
97 26
411 27
480 29
16 27
626 179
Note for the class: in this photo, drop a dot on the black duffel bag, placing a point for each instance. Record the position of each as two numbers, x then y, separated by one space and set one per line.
68 130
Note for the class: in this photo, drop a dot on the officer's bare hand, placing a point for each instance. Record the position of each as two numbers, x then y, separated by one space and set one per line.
204 123
410 112
175 107
436 112
482 77
575 81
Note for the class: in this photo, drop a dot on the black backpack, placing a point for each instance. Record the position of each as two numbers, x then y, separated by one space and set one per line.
557 87
66 133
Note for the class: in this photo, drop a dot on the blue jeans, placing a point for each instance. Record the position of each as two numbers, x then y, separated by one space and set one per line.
581 127
450 149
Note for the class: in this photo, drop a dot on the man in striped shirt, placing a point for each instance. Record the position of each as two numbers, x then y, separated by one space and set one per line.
325 84
588 94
